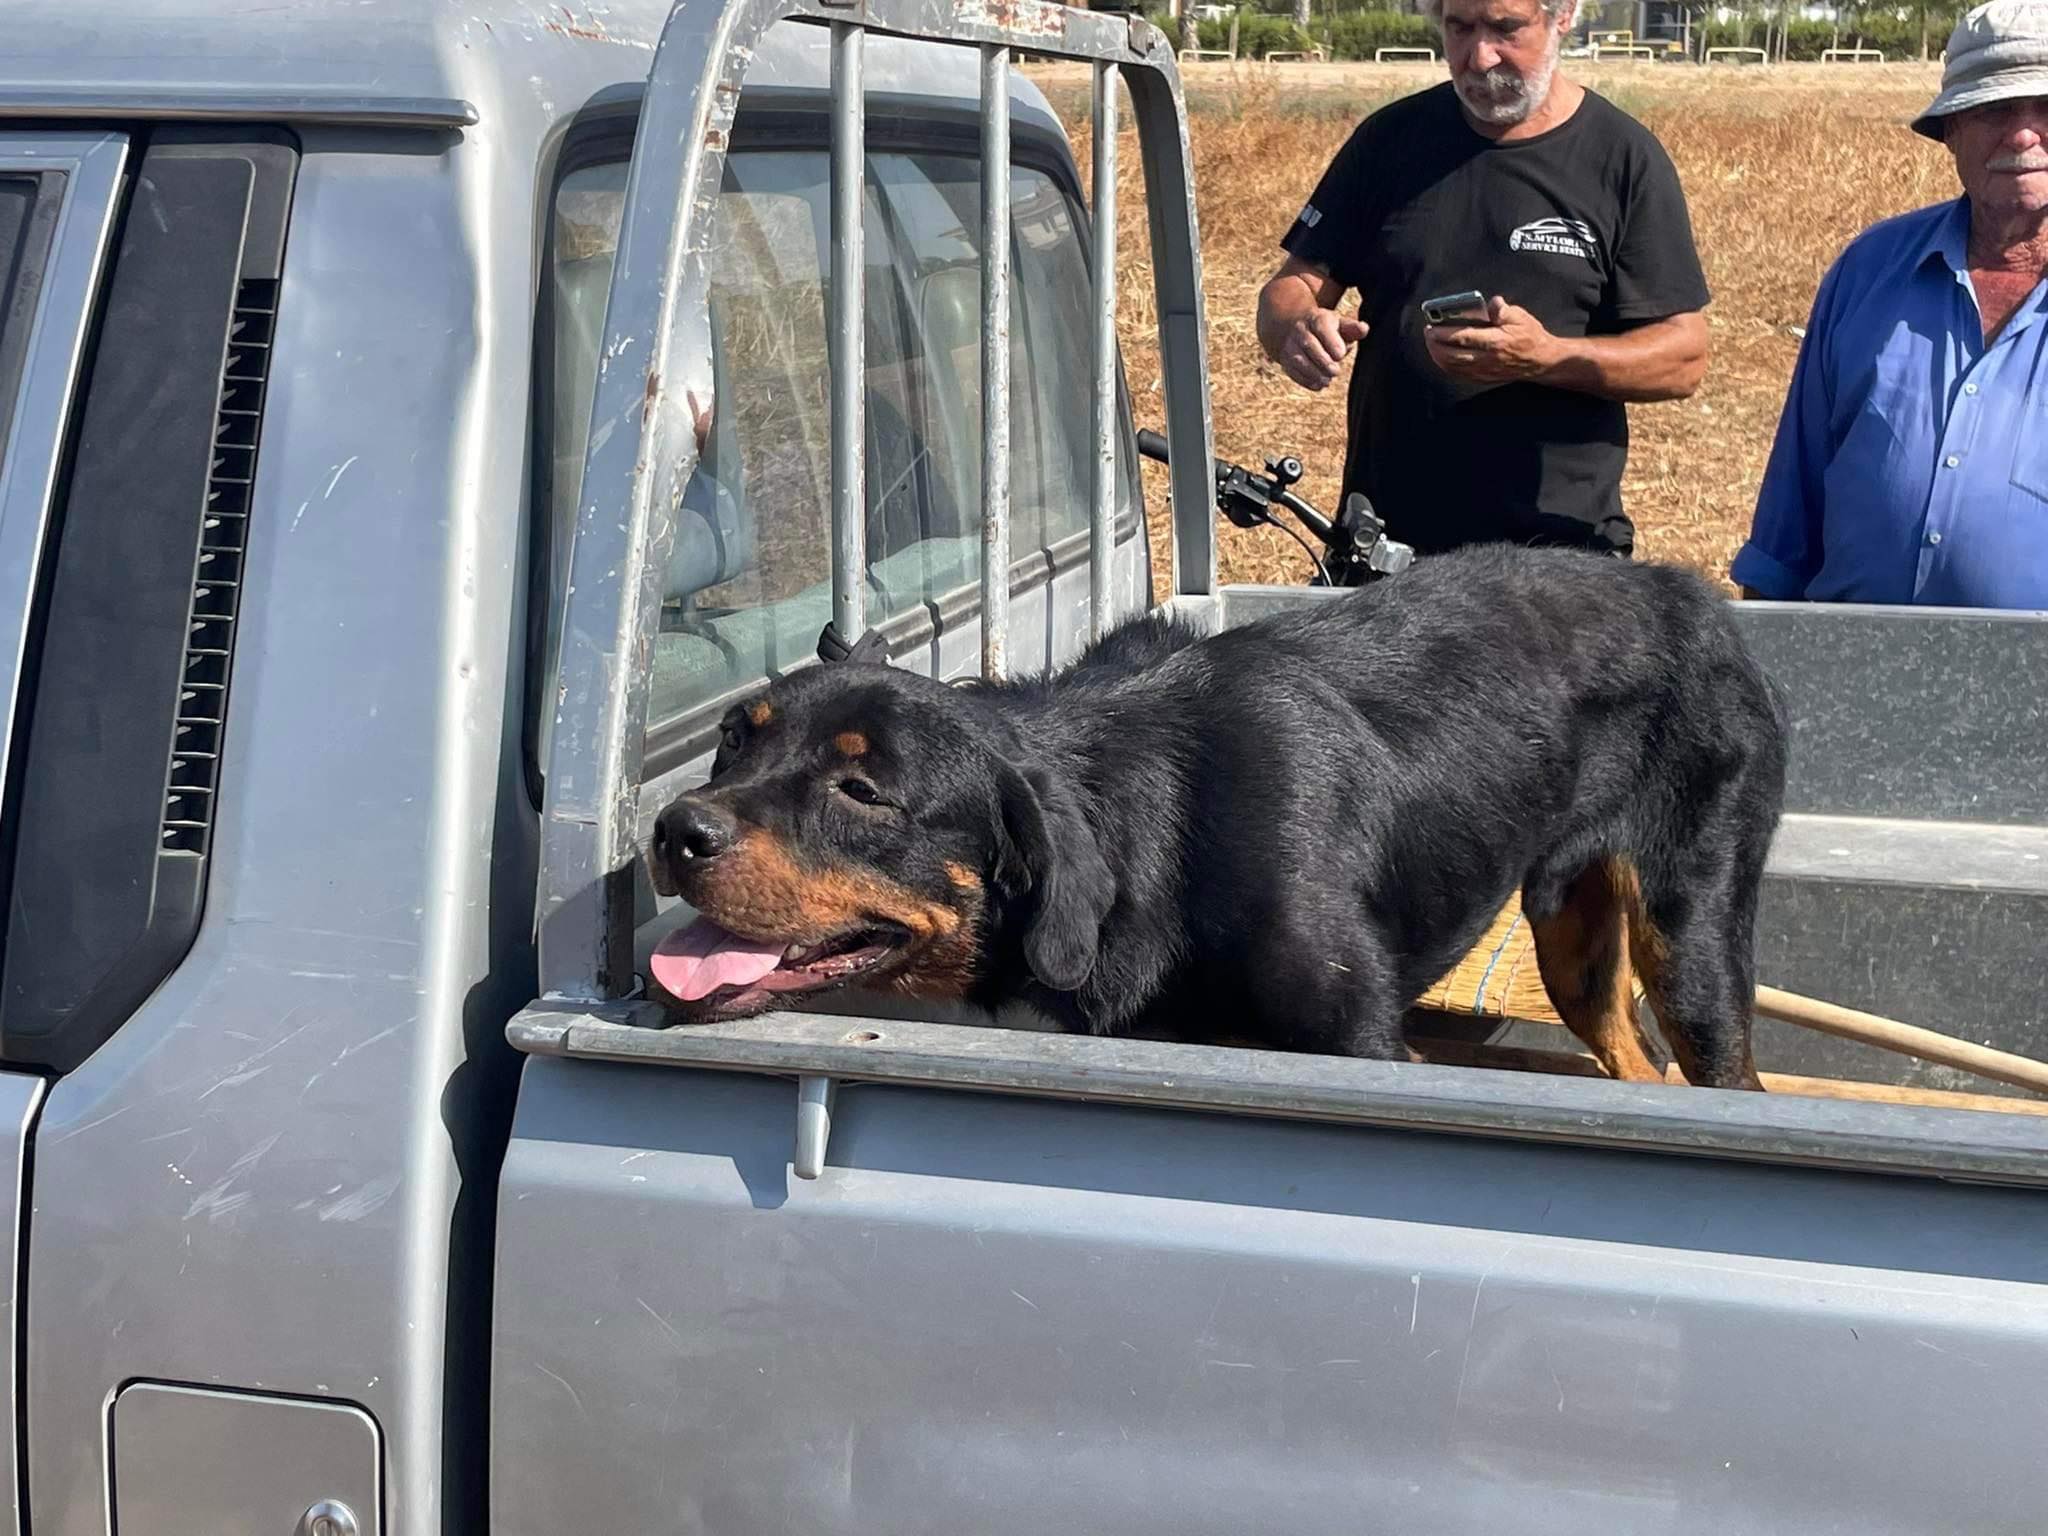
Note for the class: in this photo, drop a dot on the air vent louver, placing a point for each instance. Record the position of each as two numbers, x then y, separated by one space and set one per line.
217 581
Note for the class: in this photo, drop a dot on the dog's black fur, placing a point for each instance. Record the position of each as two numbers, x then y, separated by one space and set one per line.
1286 831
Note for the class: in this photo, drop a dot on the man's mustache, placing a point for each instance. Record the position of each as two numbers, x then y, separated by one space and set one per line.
1498 82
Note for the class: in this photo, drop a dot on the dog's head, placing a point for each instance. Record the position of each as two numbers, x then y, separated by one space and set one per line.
866 826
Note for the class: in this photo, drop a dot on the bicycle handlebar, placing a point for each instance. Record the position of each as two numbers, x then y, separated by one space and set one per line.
1357 540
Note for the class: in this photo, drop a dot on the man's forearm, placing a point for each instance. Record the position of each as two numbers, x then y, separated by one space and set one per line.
1283 302
1664 360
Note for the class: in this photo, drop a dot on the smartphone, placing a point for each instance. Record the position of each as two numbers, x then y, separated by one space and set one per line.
1469 307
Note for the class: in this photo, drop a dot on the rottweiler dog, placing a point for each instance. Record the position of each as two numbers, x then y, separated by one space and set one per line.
1284 832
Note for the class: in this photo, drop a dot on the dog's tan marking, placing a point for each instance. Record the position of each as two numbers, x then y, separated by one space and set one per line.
851 744
962 876
760 712
1583 955
760 889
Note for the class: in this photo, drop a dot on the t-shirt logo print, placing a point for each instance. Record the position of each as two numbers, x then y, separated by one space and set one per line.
1556 237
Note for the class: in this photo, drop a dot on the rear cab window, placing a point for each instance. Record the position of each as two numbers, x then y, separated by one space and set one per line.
748 582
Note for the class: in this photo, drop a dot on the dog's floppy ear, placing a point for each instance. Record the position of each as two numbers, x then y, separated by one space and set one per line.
1048 853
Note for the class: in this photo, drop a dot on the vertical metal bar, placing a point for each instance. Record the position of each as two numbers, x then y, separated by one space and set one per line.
849 337
995 359
1183 349
1102 521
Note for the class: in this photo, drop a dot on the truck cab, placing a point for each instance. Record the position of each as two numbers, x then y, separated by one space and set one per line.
418 423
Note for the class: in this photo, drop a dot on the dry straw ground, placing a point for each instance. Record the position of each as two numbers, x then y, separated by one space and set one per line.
1781 167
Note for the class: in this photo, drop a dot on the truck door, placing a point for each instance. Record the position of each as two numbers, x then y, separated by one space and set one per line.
58 195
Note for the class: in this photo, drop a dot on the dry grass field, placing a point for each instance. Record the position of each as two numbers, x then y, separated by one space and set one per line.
1780 167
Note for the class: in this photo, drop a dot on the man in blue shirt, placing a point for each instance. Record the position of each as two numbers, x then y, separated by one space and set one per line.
1911 463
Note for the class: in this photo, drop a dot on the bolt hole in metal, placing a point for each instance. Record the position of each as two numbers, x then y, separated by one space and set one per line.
863 1037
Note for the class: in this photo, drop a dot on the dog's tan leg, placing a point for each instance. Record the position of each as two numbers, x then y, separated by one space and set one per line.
1583 956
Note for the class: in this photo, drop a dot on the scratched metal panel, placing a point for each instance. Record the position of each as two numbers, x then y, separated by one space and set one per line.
1013 1316
1918 712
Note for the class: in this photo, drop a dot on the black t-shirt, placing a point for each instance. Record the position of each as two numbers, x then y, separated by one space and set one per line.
1585 226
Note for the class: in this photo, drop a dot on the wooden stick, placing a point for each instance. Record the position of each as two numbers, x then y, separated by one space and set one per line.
1908 1039
1884 1093
1576 1064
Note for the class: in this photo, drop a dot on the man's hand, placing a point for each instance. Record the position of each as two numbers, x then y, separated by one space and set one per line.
1510 345
1299 327
1315 346
1658 360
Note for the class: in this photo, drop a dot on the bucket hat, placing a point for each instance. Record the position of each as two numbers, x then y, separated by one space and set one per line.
1997 52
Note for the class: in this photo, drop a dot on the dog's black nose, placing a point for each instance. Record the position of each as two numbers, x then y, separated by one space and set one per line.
692 829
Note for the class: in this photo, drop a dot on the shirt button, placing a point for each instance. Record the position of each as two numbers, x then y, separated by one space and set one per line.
1953 461
1969 389
1934 538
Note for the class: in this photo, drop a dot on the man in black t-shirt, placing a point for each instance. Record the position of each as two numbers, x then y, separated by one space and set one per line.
1566 214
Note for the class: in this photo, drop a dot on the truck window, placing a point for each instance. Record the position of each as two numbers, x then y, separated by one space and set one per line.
26 214
749 580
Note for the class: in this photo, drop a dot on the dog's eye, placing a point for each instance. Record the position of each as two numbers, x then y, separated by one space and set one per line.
859 791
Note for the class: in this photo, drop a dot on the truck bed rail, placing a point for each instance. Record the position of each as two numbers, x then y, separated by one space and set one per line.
821 1049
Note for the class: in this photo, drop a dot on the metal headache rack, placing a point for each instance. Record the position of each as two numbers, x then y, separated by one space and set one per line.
657 354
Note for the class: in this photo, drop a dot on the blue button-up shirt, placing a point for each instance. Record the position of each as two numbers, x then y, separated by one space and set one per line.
1911 463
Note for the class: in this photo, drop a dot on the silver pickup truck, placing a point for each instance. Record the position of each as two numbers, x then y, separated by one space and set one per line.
418 420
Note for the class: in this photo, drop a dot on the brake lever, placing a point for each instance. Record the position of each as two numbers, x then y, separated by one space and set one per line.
1245 498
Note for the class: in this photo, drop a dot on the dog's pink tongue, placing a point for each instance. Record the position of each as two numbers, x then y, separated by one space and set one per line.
696 961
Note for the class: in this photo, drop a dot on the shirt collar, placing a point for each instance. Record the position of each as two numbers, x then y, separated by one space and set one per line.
1949 238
